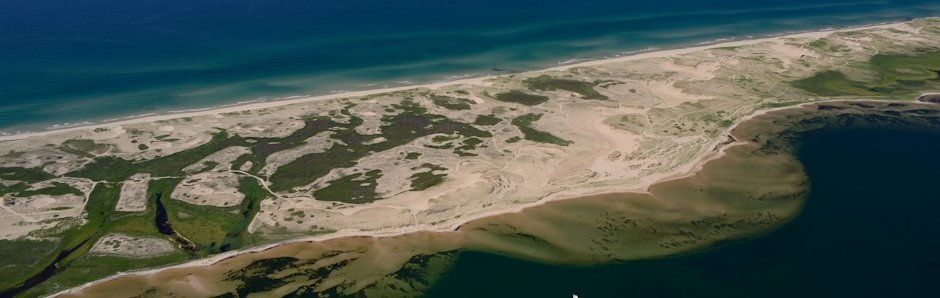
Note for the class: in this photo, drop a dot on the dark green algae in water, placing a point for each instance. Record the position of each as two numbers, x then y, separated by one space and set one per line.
868 227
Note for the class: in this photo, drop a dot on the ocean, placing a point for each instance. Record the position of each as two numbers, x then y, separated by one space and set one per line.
68 62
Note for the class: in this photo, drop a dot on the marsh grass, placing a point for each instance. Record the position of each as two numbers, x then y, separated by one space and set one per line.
896 75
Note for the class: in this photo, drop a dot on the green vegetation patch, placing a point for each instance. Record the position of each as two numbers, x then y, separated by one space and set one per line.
524 123
28 175
217 229
895 75
549 83
427 179
520 97
89 268
412 123
447 145
451 103
832 83
115 169
412 155
165 138
13 188
206 226
237 235
75 243
83 147
825 46
21 257
358 188
487 120
468 144
442 138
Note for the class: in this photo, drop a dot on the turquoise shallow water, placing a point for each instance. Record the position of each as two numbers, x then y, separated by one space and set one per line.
73 61
868 229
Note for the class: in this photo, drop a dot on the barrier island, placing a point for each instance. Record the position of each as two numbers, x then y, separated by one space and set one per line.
375 192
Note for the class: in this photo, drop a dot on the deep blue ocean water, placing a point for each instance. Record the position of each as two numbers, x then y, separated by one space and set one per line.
71 61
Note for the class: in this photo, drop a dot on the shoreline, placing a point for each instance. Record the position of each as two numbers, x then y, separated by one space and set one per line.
262 103
684 171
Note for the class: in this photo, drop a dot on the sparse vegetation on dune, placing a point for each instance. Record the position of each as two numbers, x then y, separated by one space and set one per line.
427 179
451 103
549 83
520 97
487 120
358 188
524 123
413 122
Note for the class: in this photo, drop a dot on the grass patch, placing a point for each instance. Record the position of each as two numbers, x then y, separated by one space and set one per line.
520 97
524 123
358 188
451 103
89 268
412 155
549 83
83 147
442 138
487 120
28 175
79 240
468 144
21 258
206 226
832 83
237 236
895 75
427 179
443 146
413 122
13 188
109 168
